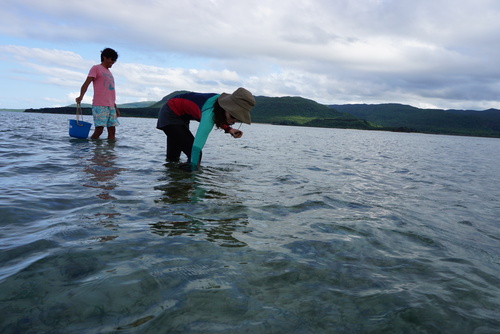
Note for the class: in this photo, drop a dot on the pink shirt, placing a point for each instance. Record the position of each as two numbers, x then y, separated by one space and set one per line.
104 86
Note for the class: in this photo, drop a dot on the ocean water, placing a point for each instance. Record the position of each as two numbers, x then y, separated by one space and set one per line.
286 230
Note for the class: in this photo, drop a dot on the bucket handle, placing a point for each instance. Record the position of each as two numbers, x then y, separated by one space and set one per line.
79 113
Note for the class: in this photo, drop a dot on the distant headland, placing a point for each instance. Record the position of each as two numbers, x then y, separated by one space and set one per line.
298 111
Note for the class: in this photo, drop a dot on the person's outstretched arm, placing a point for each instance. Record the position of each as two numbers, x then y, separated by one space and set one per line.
83 89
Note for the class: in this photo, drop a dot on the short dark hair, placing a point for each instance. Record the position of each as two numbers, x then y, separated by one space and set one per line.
109 53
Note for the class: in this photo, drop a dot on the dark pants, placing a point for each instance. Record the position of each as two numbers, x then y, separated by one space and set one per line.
179 139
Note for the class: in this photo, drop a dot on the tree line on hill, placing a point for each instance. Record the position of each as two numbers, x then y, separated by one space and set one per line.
298 111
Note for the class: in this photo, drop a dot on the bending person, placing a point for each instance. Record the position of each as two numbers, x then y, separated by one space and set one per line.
207 108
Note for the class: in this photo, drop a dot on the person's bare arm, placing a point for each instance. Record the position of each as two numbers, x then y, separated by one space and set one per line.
84 88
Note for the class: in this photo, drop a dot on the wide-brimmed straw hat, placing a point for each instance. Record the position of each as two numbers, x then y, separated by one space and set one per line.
238 104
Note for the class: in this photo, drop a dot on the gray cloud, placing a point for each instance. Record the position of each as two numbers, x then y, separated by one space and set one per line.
440 53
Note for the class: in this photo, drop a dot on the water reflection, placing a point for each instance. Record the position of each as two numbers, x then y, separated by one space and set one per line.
190 197
102 170
178 185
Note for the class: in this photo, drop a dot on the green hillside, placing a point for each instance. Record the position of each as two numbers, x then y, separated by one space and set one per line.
490 116
143 104
160 103
293 111
125 112
454 122
304 112
299 111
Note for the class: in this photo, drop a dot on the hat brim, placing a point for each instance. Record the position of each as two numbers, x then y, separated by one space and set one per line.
241 114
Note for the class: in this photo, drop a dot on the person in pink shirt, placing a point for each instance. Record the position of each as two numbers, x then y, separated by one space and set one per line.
104 108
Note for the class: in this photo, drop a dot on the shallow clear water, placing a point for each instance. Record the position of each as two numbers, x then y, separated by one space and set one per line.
286 230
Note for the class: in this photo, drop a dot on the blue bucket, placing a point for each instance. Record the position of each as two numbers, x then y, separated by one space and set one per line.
79 129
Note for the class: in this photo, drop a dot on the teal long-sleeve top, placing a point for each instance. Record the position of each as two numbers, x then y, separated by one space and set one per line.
206 125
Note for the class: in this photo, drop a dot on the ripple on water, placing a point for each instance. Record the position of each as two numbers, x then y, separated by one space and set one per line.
311 232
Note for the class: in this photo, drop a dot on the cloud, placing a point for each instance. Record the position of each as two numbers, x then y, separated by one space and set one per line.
52 57
439 53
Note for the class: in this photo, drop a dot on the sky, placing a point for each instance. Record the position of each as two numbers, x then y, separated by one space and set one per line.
426 53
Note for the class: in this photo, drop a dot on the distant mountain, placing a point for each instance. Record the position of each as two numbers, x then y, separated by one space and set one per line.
12 110
160 103
299 111
143 104
491 116
455 122
305 112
